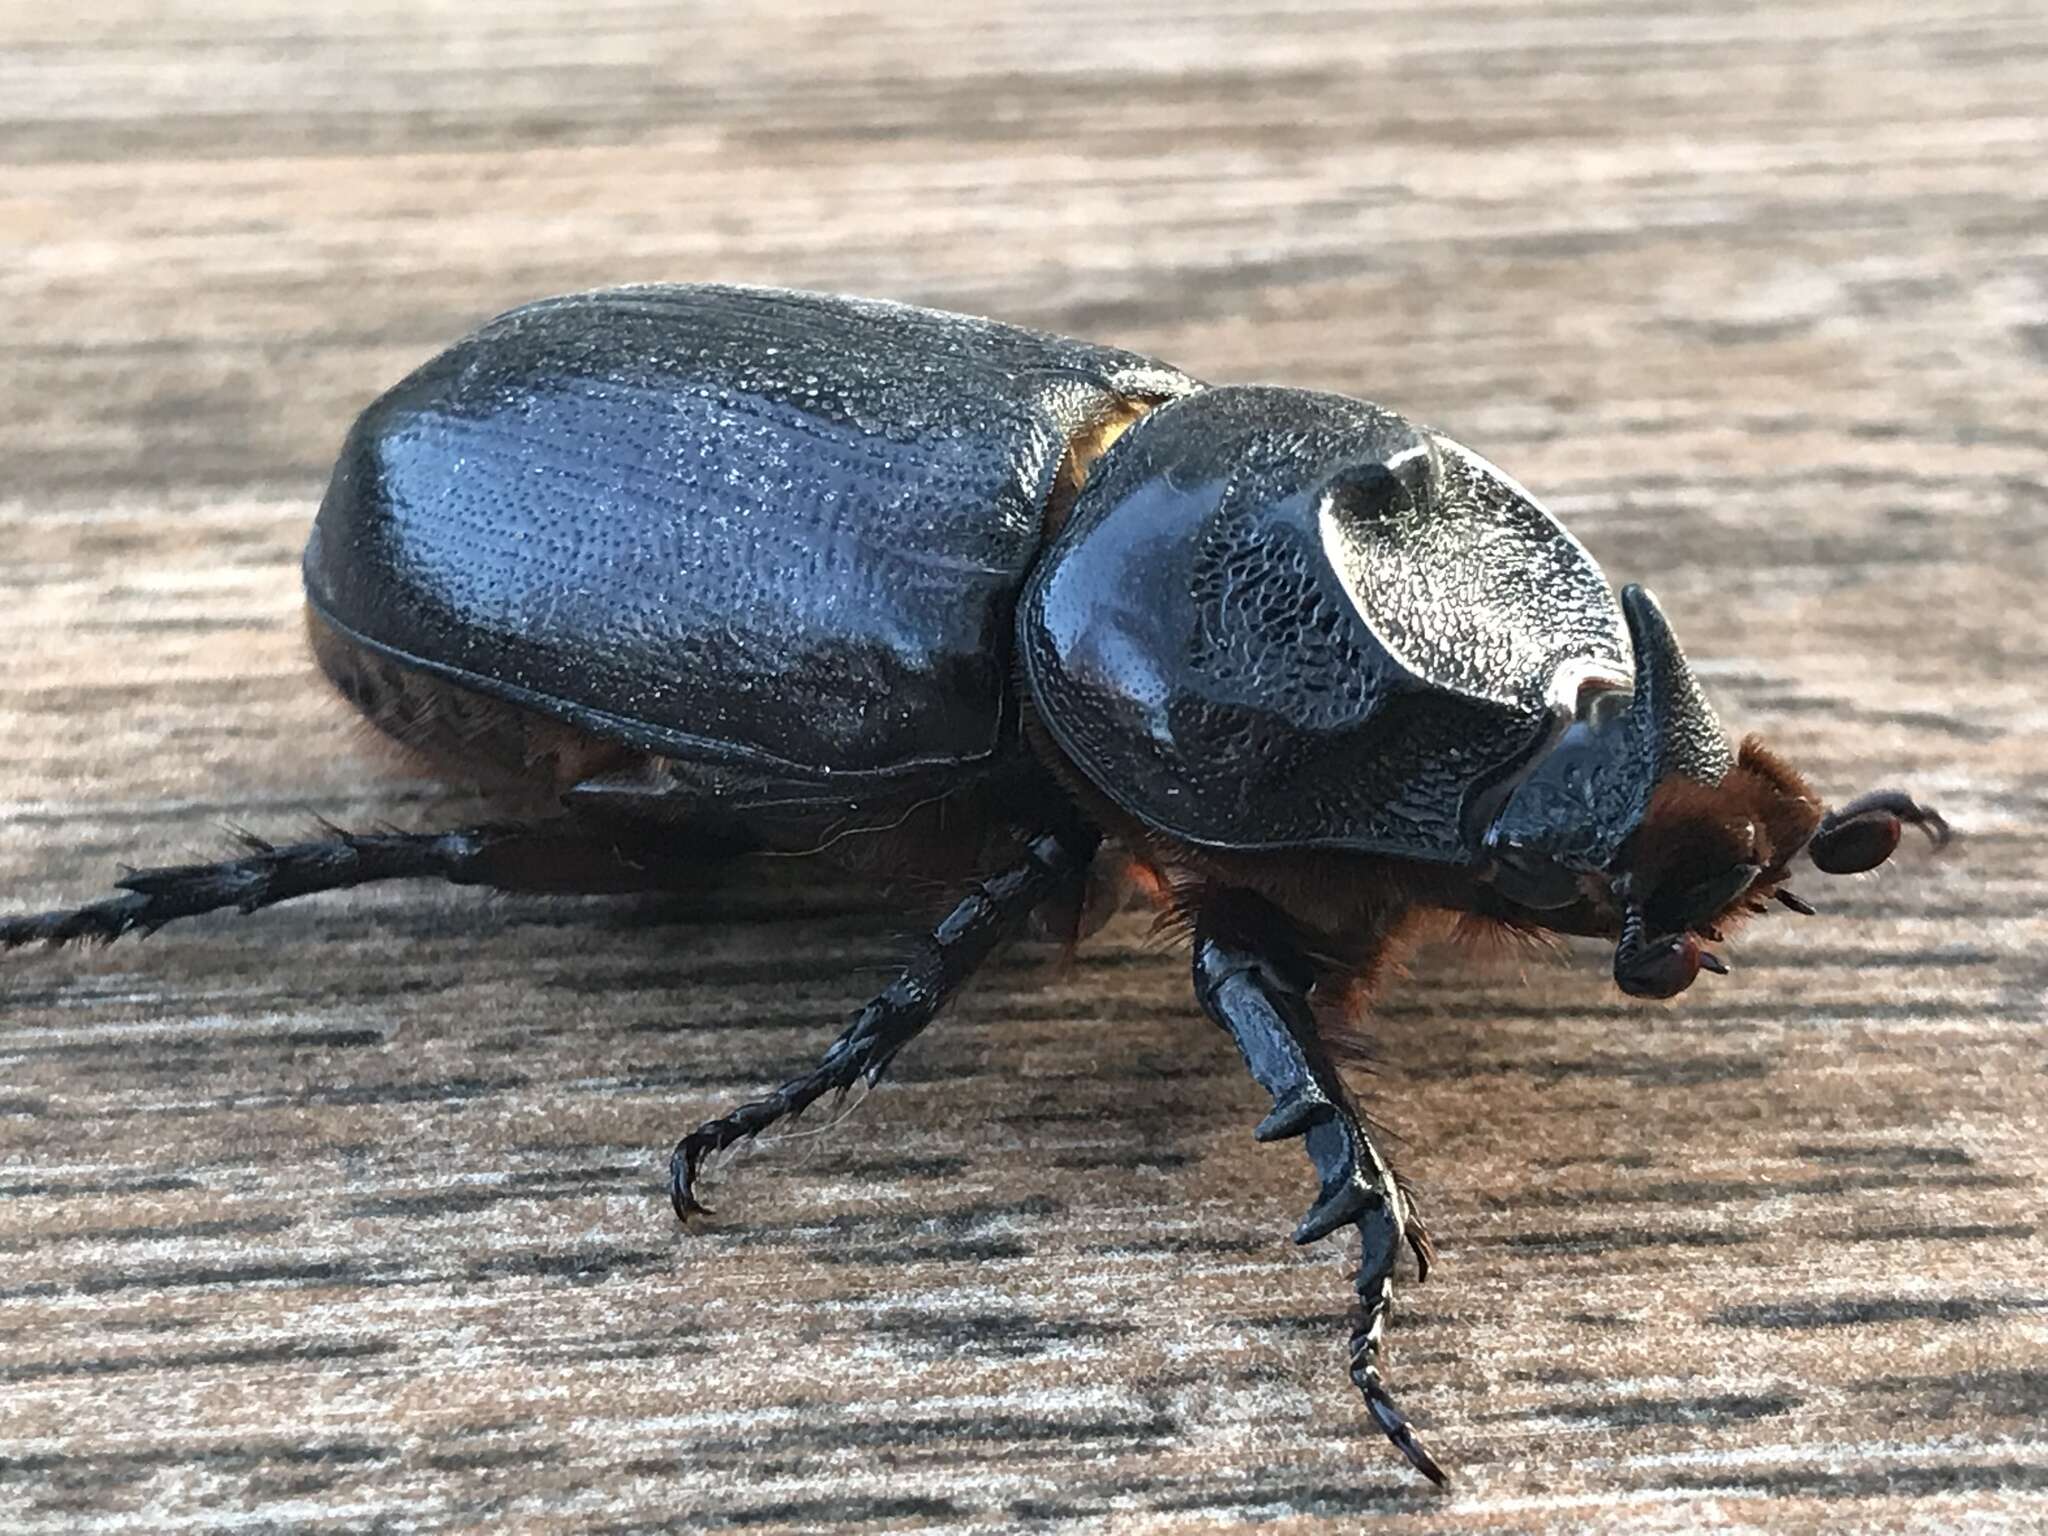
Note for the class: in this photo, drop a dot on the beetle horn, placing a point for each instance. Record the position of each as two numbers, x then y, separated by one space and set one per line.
1591 789
1669 713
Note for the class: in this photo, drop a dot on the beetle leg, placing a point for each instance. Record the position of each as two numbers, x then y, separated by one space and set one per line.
987 915
1256 986
556 855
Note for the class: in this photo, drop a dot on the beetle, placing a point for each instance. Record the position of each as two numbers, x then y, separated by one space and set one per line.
722 571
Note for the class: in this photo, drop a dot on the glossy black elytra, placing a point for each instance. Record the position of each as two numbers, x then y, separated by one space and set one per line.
725 571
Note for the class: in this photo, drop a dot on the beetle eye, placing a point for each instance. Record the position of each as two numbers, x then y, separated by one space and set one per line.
1530 880
1701 903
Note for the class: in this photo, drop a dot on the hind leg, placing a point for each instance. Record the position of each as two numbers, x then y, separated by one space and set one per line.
564 854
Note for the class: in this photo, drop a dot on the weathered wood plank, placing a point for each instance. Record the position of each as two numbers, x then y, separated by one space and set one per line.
351 1215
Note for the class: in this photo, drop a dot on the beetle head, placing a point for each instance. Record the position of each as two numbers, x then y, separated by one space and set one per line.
1639 823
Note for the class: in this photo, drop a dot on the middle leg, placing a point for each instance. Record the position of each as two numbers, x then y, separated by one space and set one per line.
988 914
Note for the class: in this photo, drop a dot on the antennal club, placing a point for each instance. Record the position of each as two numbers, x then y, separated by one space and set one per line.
1866 831
1646 967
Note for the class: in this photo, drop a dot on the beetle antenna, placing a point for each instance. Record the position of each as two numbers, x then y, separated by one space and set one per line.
1892 802
1865 832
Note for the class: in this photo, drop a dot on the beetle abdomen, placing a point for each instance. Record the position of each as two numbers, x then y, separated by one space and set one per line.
746 526
459 733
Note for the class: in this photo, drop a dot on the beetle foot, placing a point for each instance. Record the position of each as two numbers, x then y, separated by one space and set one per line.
1395 1424
100 923
1380 1237
1358 1181
682 1177
841 1065
861 1051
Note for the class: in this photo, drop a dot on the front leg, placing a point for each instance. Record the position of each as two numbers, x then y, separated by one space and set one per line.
1252 979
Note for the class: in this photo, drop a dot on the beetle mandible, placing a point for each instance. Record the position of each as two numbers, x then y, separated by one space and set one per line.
727 571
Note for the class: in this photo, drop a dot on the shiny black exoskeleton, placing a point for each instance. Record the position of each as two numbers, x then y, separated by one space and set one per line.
718 571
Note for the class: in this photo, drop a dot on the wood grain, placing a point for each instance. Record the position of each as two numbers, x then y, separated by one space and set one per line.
350 1216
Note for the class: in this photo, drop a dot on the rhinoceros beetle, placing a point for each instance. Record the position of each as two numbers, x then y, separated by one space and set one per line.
726 571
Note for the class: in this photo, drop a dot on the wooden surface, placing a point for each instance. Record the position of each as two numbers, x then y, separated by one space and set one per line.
350 1216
